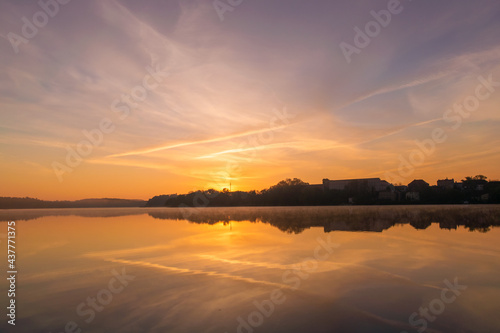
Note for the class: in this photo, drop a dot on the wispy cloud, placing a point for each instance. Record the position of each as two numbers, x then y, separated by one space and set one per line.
198 142
190 271
224 82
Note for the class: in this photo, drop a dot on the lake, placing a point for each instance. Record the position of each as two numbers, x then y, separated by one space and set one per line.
300 269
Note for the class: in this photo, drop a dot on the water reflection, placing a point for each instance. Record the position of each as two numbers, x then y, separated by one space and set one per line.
296 219
369 218
195 274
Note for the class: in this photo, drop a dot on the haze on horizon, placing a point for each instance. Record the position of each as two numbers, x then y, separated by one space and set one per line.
262 95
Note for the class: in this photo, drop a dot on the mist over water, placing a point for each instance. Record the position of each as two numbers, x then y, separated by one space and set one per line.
300 269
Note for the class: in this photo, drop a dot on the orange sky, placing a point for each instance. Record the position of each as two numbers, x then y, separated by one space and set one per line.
169 99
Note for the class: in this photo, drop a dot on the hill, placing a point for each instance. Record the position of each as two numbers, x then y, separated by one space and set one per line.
21 203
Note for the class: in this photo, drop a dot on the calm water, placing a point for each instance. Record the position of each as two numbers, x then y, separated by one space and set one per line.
339 269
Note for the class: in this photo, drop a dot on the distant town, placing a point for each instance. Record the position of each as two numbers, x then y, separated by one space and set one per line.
295 192
367 191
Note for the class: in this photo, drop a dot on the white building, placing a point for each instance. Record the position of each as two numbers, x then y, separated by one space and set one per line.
374 184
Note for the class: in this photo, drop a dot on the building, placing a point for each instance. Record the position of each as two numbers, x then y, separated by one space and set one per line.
372 184
418 185
447 184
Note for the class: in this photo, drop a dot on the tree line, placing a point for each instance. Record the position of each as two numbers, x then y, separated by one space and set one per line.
295 192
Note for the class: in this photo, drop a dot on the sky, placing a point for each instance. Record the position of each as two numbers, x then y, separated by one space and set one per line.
133 99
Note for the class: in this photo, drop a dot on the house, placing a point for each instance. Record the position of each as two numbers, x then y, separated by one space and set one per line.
372 184
418 185
447 184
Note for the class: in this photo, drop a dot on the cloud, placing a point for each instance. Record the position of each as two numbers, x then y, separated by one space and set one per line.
225 79
198 142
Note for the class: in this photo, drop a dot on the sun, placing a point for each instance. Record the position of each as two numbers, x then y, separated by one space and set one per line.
226 185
